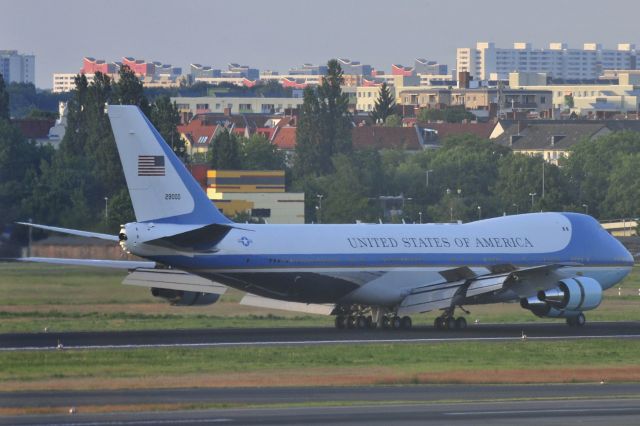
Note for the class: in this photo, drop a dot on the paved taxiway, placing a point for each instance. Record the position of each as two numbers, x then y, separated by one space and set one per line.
622 409
323 394
312 335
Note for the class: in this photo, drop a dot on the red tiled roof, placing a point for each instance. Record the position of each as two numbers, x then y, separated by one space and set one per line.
482 130
34 128
199 134
385 138
285 138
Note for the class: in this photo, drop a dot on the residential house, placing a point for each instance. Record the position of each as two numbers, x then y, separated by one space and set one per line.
554 139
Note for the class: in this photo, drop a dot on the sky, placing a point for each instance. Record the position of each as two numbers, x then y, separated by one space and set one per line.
278 35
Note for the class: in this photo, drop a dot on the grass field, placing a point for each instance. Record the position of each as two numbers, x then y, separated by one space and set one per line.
514 362
63 298
69 298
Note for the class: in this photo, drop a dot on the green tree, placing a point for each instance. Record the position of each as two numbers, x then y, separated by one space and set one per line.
393 121
453 114
42 114
225 152
308 135
258 153
384 105
166 118
590 166
520 175
4 100
324 127
129 90
623 196
568 101
335 116
19 163
345 197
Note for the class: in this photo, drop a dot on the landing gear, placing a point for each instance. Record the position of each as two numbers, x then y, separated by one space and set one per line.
461 323
577 321
364 317
447 321
405 323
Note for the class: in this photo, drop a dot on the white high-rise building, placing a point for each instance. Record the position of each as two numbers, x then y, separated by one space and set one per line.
17 68
488 62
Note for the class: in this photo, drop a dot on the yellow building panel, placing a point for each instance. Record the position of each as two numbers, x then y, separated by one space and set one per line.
246 181
231 208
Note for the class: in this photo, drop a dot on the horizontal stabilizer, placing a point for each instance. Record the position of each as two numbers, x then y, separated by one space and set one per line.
265 302
72 231
173 279
201 238
97 263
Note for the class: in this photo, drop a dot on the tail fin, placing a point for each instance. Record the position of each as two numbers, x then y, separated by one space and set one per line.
161 188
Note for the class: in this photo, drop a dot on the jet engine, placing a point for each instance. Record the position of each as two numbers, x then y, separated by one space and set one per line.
567 300
185 298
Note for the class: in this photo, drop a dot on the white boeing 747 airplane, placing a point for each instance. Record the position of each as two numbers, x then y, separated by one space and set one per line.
555 264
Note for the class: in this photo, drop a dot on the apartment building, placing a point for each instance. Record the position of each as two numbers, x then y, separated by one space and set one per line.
485 61
235 105
366 97
505 101
591 100
17 68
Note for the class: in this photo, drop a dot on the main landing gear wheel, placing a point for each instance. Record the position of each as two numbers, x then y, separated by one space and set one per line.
577 321
361 322
396 323
405 323
385 322
461 323
340 322
450 323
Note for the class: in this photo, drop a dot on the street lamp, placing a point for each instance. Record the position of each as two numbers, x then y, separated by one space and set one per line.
427 173
586 208
319 206
420 214
479 212
516 206
532 195
106 209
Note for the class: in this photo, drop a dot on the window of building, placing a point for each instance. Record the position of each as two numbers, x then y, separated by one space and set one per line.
261 212
202 106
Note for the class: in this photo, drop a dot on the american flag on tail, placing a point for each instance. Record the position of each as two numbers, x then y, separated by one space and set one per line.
151 165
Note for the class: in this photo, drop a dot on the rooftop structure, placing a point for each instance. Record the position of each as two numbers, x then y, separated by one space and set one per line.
350 67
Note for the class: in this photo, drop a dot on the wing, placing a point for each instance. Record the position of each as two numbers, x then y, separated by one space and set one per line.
98 263
463 285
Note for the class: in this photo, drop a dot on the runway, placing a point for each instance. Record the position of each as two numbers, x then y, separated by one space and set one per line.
440 404
311 336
